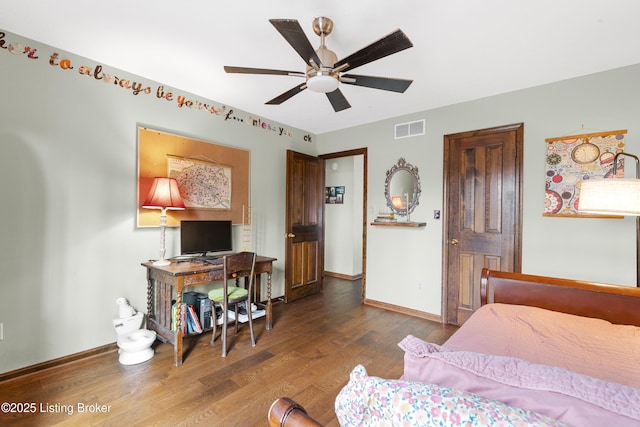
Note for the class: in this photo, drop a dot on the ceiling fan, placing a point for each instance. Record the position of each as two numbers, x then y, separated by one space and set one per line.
324 72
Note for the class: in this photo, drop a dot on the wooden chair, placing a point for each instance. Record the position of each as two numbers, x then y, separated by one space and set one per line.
236 266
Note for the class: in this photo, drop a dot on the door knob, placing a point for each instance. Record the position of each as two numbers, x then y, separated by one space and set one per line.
290 235
454 242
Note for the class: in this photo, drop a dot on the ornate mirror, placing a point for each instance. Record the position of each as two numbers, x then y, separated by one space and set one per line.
402 187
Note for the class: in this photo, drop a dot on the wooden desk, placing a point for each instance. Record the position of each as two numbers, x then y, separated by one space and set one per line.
165 284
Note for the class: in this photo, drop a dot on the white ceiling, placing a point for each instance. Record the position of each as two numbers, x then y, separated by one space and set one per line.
463 49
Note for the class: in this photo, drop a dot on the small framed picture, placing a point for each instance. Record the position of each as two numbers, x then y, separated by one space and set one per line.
334 195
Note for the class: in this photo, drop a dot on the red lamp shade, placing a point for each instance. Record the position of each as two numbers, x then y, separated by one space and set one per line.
164 194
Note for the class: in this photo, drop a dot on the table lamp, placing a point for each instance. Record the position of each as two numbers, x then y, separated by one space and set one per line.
397 202
163 195
614 196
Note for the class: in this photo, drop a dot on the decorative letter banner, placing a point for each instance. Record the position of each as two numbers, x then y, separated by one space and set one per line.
98 74
572 159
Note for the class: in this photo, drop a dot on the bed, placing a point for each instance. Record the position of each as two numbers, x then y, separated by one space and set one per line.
539 351
566 349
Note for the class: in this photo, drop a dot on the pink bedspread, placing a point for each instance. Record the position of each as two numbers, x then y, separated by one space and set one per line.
587 346
574 399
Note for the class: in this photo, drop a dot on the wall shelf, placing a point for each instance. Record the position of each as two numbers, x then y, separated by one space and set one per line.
400 224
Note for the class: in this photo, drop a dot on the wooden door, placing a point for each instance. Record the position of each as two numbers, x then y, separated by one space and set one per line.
482 200
304 248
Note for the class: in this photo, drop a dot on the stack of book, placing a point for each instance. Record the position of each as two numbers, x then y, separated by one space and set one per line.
385 217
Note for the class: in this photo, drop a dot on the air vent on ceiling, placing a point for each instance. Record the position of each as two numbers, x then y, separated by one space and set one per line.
406 130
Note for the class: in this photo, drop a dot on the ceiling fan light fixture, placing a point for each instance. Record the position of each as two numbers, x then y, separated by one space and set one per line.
322 83
323 69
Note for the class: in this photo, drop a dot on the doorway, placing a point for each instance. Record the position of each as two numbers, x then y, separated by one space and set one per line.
483 170
358 192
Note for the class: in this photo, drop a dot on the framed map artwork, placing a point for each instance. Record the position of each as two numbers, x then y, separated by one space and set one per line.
213 179
202 184
573 159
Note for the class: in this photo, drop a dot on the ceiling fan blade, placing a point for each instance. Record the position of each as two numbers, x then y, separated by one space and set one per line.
288 94
384 83
246 70
388 45
292 32
338 101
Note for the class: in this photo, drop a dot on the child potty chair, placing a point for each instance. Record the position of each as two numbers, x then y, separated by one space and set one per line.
134 343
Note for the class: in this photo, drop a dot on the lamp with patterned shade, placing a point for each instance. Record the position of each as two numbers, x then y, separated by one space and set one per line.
163 195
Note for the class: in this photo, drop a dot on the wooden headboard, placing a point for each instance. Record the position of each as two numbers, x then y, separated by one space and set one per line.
615 303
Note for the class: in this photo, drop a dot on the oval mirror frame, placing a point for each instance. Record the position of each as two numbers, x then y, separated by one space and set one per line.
402 178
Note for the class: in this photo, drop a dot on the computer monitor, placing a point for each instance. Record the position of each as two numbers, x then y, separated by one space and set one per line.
202 237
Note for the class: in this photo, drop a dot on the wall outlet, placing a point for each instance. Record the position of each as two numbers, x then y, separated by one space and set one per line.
1 331
419 286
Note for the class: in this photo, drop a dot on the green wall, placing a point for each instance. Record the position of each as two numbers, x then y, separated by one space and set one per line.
68 169
404 265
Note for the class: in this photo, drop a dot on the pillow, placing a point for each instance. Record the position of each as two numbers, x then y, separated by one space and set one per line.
572 398
371 401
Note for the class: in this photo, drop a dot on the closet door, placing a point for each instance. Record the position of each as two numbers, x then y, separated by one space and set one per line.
482 182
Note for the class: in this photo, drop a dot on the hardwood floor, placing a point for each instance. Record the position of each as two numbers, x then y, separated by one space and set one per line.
307 356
